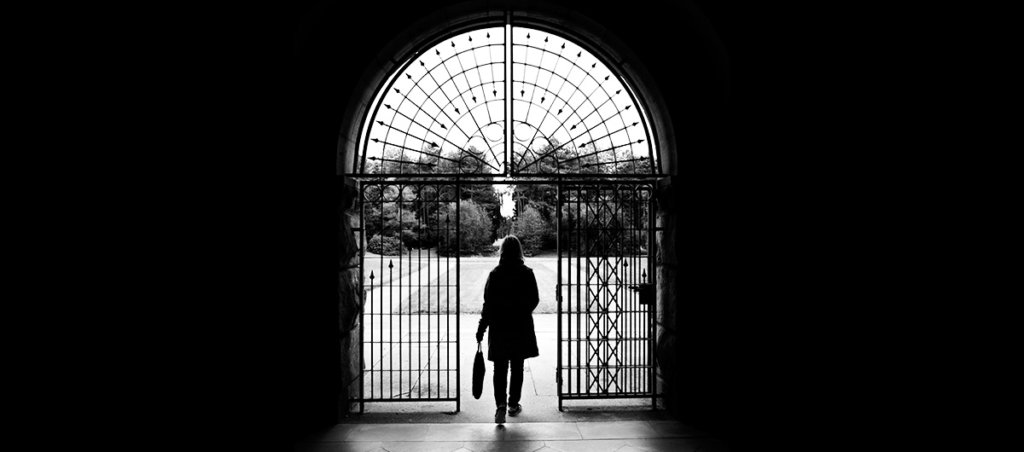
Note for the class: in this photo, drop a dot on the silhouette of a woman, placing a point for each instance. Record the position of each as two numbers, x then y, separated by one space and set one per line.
510 297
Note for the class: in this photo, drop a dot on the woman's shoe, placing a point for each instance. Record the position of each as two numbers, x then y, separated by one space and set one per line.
499 415
515 409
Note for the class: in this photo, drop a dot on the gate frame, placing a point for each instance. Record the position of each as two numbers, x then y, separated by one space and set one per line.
559 181
399 181
652 320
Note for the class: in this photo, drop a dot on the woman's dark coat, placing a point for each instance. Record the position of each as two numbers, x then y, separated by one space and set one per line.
510 297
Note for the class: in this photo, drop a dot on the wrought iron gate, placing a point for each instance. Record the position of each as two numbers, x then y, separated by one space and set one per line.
605 326
410 271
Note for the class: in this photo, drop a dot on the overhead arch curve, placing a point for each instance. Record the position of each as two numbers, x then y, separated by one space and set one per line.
440 105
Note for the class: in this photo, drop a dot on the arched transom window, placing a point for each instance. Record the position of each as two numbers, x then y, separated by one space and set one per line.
445 111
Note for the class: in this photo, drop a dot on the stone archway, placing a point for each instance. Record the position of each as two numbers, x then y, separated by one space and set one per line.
348 145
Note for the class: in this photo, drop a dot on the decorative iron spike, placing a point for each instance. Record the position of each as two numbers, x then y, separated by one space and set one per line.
495 92
606 77
438 52
371 275
542 99
408 76
387 106
545 39
619 91
527 36
391 263
456 110
578 54
421 63
443 126
474 98
572 128
563 45
559 111
374 139
635 123
398 91
522 93
470 39
593 65
488 35
453 43
380 122
434 144
628 106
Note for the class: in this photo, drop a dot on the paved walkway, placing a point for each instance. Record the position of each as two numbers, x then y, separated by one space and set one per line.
584 426
623 436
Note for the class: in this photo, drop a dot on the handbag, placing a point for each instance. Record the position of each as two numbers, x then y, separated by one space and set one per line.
479 368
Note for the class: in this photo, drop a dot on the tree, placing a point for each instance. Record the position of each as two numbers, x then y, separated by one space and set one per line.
532 229
388 220
474 228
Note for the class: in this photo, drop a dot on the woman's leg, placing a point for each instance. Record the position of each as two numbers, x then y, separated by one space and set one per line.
515 391
501 381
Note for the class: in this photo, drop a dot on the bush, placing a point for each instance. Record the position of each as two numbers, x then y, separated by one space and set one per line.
385 246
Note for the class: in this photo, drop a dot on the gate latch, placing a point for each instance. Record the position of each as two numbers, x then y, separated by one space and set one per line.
645 291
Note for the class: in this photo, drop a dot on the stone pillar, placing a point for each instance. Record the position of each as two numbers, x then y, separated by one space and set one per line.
349 299
667 266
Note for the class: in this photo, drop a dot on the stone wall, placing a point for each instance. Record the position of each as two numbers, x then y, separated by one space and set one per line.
350 302
667 267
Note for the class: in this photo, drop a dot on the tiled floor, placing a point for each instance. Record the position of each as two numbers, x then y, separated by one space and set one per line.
620 436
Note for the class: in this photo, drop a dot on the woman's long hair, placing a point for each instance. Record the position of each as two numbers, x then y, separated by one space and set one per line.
511 249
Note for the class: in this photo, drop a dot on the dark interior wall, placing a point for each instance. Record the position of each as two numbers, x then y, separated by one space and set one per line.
757 285
674 43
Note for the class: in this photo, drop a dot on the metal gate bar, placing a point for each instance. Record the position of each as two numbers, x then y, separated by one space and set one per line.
409 238
605 327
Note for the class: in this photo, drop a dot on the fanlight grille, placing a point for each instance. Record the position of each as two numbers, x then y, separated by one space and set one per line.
445 111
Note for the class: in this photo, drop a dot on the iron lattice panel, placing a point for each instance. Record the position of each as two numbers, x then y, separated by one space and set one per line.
446 111
571 114
410 270
605 331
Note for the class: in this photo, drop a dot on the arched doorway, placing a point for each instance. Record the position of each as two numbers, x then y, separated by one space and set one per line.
505 100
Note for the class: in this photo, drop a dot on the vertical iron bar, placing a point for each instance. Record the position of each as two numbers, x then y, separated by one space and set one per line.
580 251
458 279
391 324
558 291
437 235
587 319
635 308
401 300
419 304
508 90
425 219
654 304
448 304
